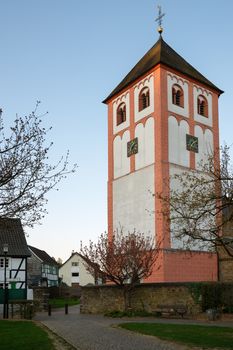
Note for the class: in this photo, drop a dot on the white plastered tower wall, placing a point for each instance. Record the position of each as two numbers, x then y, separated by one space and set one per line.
133 202
179 156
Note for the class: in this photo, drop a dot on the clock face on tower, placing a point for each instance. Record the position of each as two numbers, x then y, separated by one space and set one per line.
192 143
132 147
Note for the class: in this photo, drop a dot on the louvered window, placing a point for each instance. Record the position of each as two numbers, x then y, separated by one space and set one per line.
177 95
121 113
144 99
202 106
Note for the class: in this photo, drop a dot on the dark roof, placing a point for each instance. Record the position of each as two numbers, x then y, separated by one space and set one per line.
11 233
78 254
161 52
43 256
72 254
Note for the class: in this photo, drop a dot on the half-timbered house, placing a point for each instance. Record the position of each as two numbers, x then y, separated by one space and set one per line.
13 259
42 269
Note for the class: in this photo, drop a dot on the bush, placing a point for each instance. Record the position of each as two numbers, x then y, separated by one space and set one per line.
211 296
227 309
227 297
129 313
214 295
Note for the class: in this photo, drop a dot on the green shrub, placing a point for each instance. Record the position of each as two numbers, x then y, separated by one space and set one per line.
227 309
195 289
227 297
211 296
129 313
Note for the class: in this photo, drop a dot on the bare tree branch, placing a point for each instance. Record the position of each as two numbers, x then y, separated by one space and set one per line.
200 204
25 173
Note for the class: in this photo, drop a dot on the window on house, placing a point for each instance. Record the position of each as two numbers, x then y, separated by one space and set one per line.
144 99
74 263
2 264
46 269
52 270
121 113
177 95
202 106
75 274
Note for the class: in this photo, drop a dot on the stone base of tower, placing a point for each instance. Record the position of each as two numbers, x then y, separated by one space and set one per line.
175 265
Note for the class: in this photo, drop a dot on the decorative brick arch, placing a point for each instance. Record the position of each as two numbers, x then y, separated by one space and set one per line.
121 113
202 106
177 95
144 98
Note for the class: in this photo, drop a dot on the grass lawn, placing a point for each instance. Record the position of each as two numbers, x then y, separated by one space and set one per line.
23 335
204 336
60 302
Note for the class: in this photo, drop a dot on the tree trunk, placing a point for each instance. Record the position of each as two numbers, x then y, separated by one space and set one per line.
127 298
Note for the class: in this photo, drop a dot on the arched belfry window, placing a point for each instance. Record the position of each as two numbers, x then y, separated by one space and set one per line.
144 99
202 106
177 95
121 113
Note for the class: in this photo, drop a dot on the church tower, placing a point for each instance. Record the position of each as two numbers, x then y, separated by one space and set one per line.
162 118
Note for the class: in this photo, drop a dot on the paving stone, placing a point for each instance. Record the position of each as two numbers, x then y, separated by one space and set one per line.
96 332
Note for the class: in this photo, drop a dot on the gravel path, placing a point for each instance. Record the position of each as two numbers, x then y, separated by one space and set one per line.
95 332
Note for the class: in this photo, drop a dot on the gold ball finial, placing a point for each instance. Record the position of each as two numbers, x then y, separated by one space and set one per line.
160 30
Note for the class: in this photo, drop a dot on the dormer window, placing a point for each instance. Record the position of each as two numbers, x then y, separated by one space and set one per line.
202 106
177 95
144 99
121 113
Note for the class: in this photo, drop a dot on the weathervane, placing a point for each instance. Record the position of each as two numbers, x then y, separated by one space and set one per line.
159 20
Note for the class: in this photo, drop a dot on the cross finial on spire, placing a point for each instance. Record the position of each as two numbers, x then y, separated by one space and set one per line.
159 20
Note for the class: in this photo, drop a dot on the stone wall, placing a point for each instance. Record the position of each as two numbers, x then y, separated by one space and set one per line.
65 291
225 260
102 299
41 297
226 269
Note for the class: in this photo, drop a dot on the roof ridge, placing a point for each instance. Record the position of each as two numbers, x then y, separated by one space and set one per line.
42 255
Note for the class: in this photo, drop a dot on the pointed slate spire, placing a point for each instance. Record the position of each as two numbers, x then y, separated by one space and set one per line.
162 53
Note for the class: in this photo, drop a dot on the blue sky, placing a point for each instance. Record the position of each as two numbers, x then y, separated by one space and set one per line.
70 54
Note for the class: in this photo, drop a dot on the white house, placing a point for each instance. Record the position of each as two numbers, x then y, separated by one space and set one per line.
74 273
